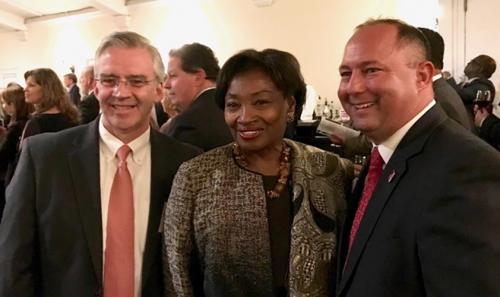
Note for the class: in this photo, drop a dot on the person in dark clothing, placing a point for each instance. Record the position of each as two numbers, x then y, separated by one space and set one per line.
53 110
478 71
70 81
488 125
89 106
444 94
190 84
15 106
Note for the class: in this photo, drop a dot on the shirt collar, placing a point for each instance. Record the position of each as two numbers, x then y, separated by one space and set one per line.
436 77
203 91
387 147
112 144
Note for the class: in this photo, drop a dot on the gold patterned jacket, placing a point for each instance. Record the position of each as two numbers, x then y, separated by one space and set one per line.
215 228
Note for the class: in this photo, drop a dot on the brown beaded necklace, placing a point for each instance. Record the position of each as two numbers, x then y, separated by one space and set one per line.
284 170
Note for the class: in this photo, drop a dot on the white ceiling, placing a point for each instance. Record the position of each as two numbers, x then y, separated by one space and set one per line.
15 14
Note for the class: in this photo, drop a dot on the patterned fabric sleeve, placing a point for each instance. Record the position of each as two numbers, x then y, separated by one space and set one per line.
178 236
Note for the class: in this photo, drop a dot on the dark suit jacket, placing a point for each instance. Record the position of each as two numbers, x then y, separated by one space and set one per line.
431 227
451 103
74 95
469 90
490 131
51 234
89 108
201 124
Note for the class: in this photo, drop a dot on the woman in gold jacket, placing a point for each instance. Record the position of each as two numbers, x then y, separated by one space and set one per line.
258 217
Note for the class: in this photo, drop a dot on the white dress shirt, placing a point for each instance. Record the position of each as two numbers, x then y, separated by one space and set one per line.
387 147
139 166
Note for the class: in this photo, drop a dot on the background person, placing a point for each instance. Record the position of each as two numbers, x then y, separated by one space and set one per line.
53 110
14 105
89 105
190 85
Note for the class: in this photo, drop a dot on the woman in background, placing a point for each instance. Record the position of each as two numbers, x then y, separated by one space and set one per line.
13 105
257 217
53 110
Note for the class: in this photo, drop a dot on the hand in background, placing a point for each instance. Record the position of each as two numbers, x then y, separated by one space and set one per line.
337 139
446 74
479 115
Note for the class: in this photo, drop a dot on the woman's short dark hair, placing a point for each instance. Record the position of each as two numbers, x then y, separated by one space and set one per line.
281 67
14 95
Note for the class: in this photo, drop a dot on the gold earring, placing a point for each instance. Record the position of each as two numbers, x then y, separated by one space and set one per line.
289 118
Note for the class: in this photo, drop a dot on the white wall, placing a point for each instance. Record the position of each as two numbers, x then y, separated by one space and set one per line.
315 31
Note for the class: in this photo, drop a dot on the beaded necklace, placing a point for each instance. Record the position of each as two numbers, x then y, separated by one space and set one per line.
284 170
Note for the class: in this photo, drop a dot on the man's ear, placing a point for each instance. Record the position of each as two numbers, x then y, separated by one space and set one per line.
200 75
425 71
159 92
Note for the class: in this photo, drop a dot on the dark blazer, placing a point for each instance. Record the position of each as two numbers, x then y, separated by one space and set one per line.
51 234
490 131
74 95
451 103
469 90
201 124
89 108
161 115
431 227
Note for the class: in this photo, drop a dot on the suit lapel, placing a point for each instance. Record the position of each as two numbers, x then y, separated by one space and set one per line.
410 145
84 170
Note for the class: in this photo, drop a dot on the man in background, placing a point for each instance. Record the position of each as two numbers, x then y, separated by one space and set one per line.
89 106
70 81
423 219
192 71
444 94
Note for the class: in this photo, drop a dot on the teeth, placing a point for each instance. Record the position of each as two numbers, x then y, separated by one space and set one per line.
363 106
249 133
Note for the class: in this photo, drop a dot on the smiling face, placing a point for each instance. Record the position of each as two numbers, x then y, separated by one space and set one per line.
383 85
126 108
33 91
256 112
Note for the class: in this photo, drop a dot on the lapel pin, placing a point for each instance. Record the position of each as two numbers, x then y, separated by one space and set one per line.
391 176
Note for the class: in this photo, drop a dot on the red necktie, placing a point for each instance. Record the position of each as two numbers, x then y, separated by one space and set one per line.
374 172
119 253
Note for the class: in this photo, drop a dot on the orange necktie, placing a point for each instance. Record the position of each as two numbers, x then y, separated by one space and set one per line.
119 253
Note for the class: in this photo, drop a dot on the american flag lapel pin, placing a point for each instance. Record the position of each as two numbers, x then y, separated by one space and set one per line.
391 176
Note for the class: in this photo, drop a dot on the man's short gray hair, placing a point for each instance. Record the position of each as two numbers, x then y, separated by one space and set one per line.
128 39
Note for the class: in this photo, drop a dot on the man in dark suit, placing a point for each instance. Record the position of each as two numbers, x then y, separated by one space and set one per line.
423 220
70 81
478 72
444 94
59 235
192 71
488 125
89 106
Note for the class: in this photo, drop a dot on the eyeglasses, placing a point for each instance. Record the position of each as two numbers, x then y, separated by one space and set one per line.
133 82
